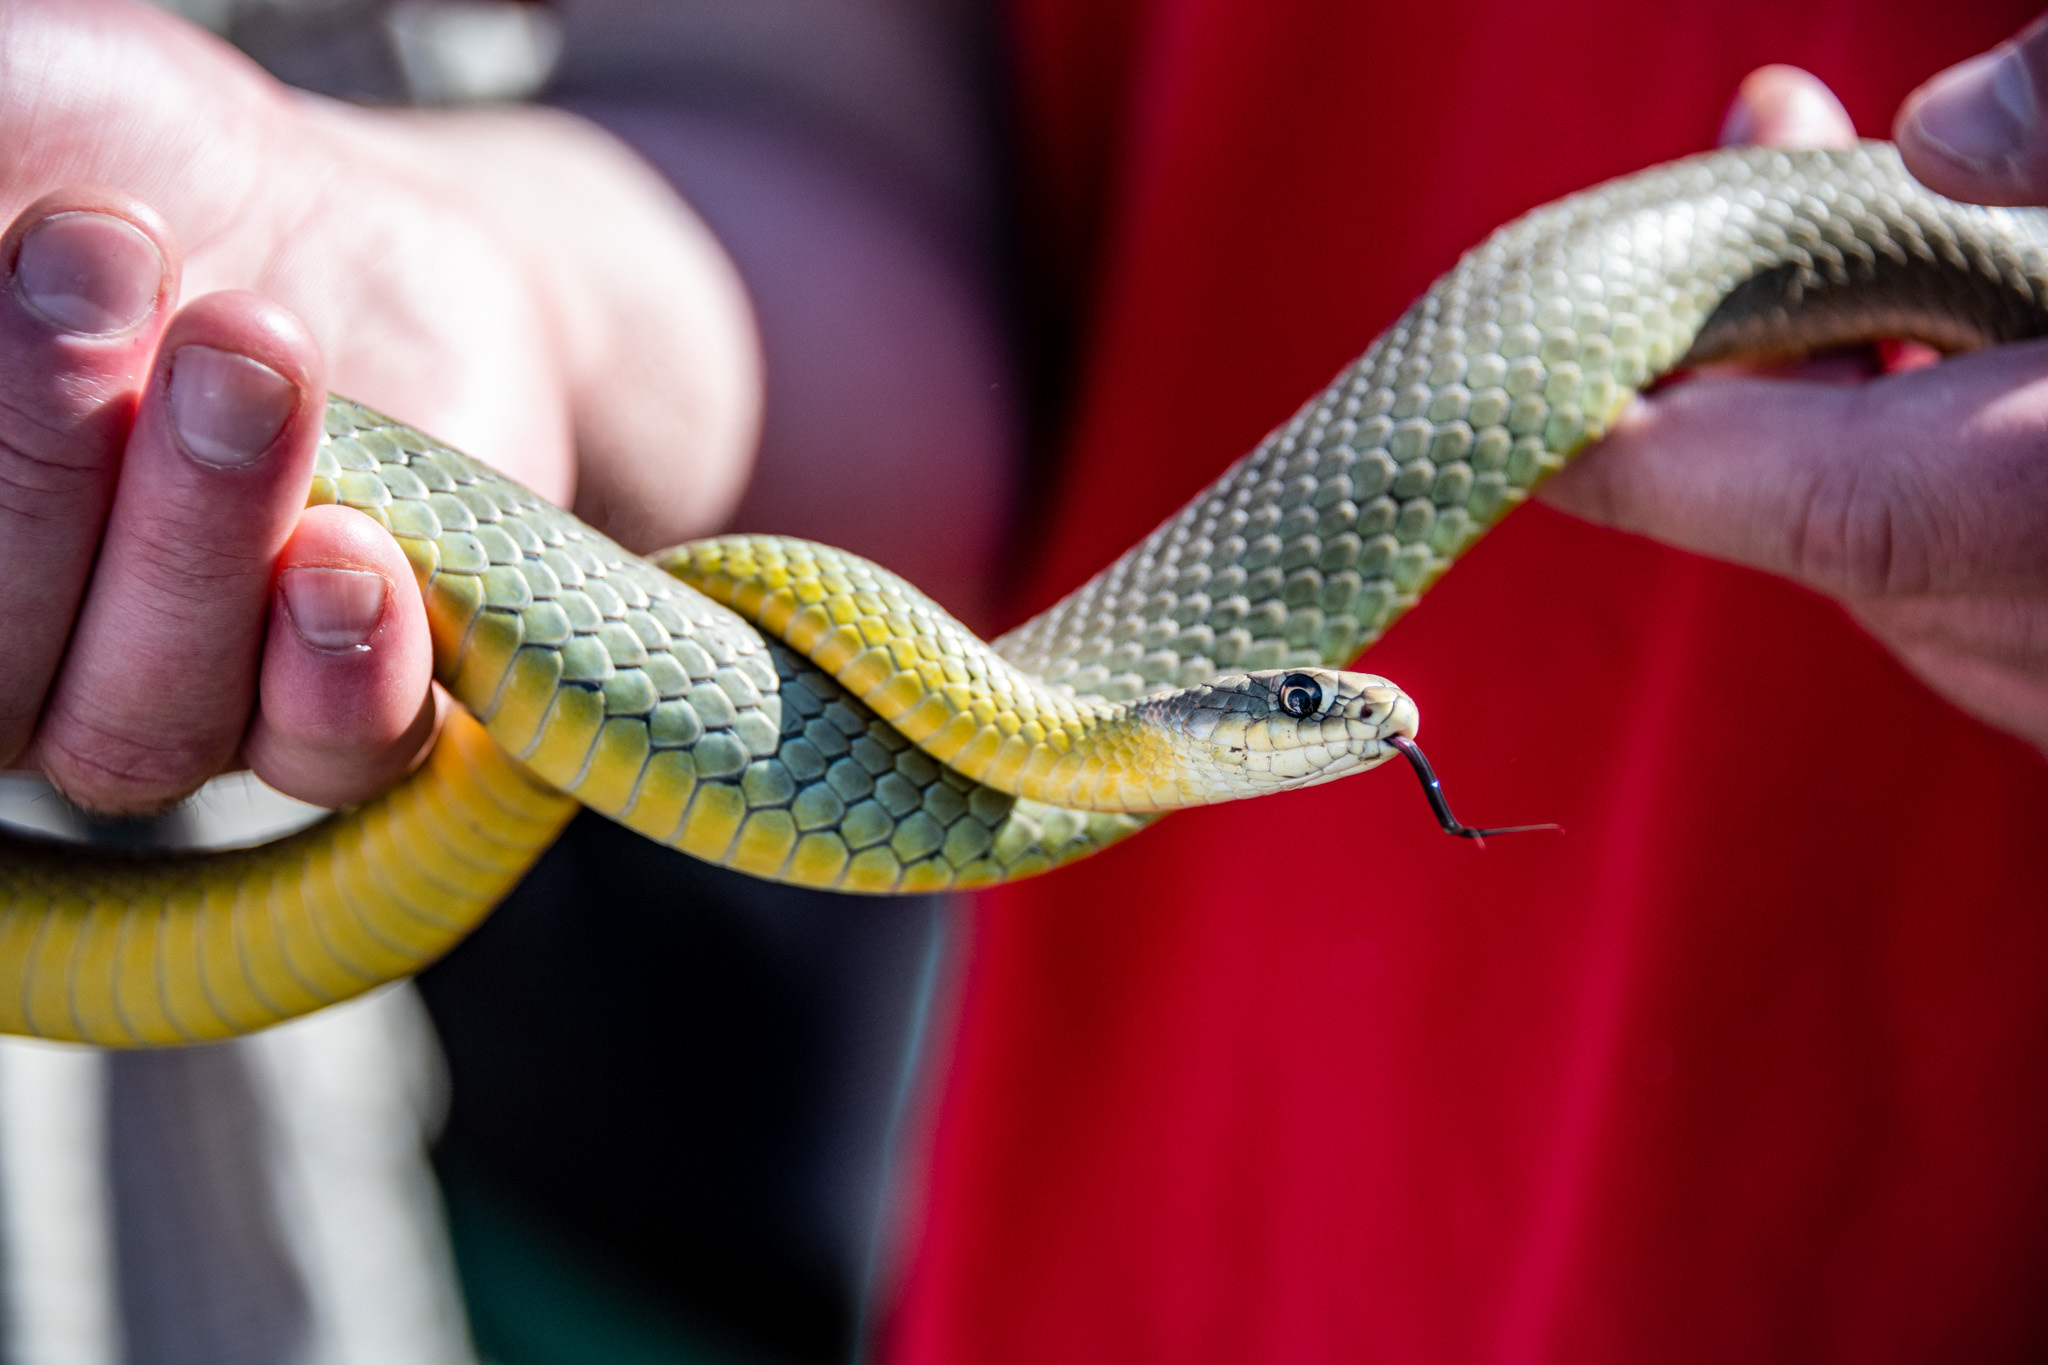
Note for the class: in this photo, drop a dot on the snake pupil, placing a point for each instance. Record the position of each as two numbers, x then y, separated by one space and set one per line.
1300 695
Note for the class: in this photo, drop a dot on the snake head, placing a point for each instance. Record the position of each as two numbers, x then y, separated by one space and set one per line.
1247 733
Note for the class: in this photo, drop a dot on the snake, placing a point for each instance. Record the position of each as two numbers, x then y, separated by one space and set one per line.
796 712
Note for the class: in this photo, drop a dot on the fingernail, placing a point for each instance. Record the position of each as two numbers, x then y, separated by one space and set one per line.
1980 113
88 273
227 408
336 610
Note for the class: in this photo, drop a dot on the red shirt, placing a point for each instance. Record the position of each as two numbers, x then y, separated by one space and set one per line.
1751 1065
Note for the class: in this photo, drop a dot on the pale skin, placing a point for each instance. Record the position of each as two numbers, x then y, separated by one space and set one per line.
174 612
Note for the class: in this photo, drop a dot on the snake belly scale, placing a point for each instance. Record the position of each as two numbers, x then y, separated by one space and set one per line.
853 736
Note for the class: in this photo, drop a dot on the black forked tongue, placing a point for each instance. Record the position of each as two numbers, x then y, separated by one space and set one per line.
1434 790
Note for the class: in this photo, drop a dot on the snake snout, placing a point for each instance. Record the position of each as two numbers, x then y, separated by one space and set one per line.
1401 717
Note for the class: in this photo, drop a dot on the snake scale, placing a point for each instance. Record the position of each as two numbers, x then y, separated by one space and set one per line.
794 712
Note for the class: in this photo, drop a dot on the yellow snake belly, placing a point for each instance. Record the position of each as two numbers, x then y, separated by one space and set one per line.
593 676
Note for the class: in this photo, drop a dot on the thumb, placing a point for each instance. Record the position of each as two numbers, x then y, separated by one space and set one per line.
1976 132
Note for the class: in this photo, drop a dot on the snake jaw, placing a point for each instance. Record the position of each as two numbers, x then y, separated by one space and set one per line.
1248 734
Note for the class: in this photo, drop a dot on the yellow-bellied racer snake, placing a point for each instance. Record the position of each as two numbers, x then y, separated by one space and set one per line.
794 712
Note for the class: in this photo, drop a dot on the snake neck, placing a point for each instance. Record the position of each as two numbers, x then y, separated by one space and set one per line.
931 678
610 680
951 694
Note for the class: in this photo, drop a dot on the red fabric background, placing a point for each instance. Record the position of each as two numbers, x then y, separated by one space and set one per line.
1752 1065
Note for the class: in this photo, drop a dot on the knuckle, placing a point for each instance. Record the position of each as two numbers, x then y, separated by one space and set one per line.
46 474
107 771
189 555
1861 530
1842 535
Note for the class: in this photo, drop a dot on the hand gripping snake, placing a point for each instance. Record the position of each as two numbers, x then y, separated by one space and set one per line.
794 712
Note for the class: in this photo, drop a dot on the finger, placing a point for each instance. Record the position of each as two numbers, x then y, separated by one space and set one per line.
1987 655
91 277
157 685
1922 483
345 707
1974 132
1783 106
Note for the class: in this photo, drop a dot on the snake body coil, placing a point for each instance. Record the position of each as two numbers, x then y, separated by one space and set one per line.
866 742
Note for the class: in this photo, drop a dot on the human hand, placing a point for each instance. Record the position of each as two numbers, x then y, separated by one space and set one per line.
1919 500
170 607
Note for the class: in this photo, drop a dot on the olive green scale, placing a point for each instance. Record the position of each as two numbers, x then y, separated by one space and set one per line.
612 681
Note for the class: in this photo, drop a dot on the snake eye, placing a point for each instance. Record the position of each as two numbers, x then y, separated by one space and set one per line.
1300 695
